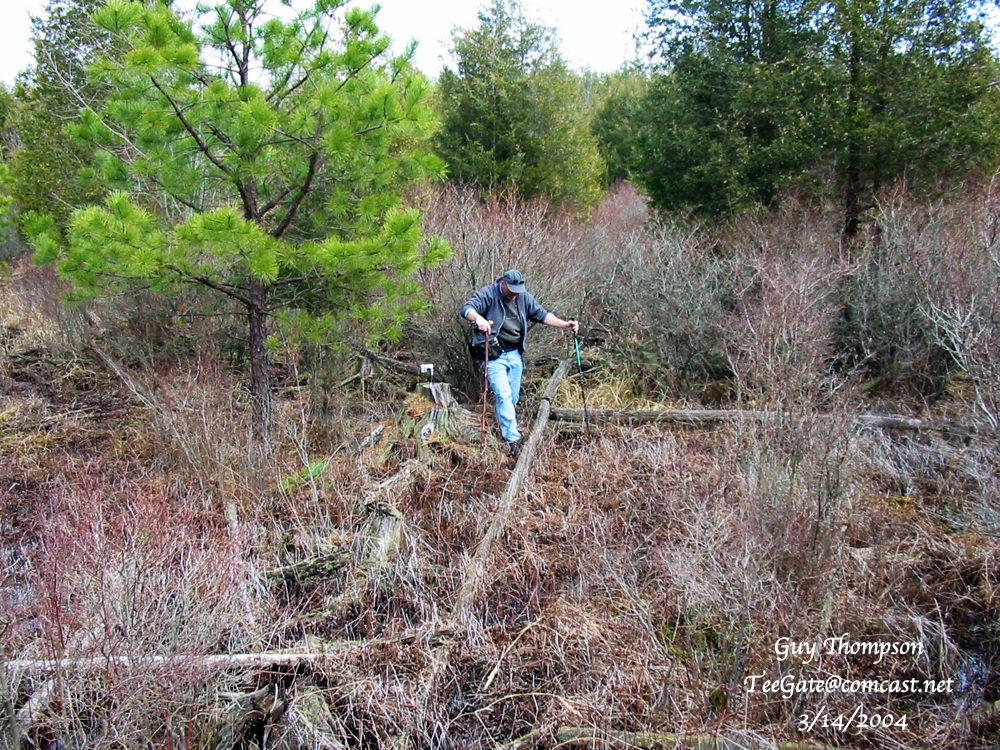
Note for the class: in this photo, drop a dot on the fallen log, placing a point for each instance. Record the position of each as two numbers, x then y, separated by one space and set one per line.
383 533
211 661
323 565
472 577
700 417
356 446
589 736
477 564
264 659
405 368
33 711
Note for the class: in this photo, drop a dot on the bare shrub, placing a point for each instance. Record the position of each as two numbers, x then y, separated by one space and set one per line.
800 458
675 294
778 344
202 427
31 304
955 247
139 326
952 249
124 570
884 329
560 256
662 301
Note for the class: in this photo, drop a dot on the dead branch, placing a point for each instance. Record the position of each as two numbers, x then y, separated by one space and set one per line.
702 417
211 661
393 364
474 571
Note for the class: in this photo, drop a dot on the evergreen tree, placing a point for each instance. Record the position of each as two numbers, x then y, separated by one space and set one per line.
6 144
757 96
514 114
257 160
617 120
723 122
46 162
914 95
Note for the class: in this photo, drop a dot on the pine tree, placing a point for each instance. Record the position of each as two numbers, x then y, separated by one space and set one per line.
257 159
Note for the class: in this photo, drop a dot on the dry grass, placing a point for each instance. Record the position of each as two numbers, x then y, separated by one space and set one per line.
601 391
30 305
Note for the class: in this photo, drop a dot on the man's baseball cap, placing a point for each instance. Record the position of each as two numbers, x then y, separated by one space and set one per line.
515 281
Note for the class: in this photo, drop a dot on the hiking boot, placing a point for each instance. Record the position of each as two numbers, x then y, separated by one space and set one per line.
514 449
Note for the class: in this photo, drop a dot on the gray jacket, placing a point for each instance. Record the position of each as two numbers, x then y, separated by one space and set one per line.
488 302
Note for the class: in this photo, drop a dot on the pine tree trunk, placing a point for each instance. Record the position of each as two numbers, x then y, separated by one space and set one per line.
260 379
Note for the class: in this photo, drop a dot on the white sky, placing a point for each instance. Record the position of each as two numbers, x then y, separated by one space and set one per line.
595 35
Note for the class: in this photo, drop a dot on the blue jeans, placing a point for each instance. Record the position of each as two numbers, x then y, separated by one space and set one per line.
504 374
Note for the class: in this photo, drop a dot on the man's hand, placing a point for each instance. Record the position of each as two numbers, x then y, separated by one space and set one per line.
484 326
556 322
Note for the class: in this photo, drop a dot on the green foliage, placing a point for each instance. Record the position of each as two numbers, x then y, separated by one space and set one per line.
754 98
913 95
7 137
616 123
513 113
6 181
45 166
735 117
6 199
308 474
274 179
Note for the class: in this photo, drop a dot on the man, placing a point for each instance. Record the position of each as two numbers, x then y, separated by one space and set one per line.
501 311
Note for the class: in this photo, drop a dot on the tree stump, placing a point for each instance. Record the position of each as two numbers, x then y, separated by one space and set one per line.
433 416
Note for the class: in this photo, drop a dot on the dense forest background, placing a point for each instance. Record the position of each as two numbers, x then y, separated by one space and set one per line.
231 242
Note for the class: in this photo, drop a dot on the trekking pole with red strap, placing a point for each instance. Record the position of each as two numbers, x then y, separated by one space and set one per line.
486 382
486 388
583 391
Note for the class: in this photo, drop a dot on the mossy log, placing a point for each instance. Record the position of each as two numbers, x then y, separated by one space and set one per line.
318 566
701 417
592 737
